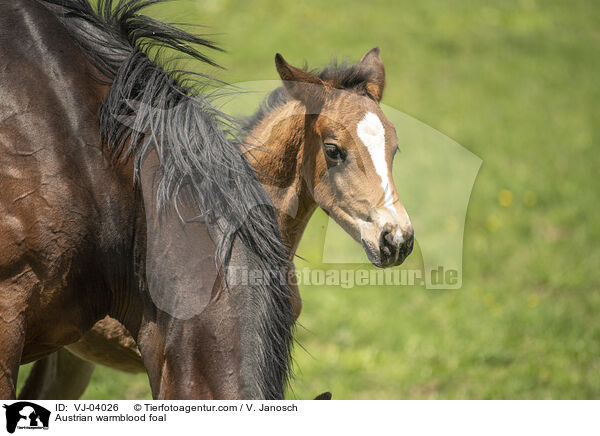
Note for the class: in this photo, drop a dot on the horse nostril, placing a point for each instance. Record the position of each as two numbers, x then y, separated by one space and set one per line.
409 238
386 240
395 244
389 238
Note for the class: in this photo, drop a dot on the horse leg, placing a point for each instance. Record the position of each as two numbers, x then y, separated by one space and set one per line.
189 360
59 376
197 358
11 344
213 355
13 307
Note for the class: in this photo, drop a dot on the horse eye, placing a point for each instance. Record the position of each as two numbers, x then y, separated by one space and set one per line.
333 152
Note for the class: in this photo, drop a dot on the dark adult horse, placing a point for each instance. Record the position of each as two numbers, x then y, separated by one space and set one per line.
116 179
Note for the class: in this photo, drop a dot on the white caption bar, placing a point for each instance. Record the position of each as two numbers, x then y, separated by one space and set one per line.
307 418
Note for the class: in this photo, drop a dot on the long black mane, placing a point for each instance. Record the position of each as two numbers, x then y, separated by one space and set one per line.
149 107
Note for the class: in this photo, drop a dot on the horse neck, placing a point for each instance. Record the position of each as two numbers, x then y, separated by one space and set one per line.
280 148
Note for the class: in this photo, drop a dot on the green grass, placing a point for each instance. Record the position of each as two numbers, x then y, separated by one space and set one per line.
515 82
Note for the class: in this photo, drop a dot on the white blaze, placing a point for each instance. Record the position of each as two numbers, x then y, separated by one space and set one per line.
371 132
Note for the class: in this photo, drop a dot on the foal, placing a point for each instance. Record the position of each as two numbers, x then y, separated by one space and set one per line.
320 140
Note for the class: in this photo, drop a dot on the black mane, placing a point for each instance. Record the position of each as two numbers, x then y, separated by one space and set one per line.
338 75
148 107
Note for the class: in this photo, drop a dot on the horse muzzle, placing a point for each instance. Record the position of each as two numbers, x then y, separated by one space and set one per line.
392 246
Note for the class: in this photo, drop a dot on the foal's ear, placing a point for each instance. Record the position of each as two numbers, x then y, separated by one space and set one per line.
299 84
372 65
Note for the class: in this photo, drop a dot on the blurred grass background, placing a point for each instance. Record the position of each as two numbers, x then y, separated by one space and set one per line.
515 82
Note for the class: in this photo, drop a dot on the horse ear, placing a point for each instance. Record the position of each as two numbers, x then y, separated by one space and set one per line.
372 65
299 84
